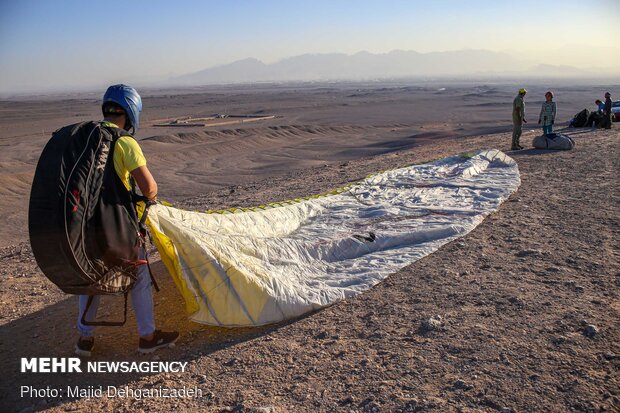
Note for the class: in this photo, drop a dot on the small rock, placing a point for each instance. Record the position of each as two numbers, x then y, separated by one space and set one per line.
579 289
433 323
460 384
347 400
506 410
265 409
322 335
377 334
370 405
530 252
590 331
559 340
516 301
411 404
231 362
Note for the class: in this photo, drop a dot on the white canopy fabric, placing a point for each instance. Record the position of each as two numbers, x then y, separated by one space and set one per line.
267 264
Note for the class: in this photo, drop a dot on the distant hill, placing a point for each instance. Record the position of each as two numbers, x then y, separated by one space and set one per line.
559 70
365 65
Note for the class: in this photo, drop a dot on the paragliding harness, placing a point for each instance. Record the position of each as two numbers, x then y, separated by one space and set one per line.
82 220
142 240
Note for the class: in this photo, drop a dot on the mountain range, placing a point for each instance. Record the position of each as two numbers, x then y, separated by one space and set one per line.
366 66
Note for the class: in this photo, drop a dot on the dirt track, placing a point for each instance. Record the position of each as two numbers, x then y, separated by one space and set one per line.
515 296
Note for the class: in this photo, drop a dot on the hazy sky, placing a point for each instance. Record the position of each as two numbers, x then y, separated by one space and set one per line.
49 44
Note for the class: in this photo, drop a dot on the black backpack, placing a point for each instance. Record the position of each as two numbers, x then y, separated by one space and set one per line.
580 119
82 220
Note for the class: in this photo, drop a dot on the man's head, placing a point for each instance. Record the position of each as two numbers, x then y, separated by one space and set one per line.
598 101
549 95
123 104
522 91
114 113
607 95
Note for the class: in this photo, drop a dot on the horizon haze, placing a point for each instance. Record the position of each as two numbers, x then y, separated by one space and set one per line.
74 46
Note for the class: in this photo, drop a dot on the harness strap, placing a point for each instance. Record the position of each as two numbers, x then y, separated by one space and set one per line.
103 323
142 227
148 264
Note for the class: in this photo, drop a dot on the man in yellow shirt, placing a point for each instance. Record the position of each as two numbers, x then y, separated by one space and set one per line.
121 109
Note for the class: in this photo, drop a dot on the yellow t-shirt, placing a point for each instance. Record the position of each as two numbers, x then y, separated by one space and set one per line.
127 157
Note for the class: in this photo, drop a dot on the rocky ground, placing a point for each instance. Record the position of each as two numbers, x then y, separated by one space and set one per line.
521 315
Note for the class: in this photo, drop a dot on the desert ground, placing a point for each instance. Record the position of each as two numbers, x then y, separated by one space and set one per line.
529 301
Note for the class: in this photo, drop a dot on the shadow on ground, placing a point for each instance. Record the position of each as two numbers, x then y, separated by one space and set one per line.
51 332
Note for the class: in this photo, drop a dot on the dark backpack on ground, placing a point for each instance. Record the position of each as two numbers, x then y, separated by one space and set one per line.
82 221
580 119
594 119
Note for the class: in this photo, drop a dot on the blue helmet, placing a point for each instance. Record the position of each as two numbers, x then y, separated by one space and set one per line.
129 99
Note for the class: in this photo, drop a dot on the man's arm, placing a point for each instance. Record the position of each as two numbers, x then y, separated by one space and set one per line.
145 182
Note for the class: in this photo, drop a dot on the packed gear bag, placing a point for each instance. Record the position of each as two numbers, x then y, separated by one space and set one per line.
82 220
553 141
580 119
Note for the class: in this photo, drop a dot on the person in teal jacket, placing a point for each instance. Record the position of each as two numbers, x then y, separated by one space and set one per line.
547 114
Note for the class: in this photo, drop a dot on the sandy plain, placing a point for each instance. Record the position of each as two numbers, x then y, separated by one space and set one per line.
516 295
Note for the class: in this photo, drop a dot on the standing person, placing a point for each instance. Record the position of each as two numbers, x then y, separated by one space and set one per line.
518 119
547 114
121 109
606 122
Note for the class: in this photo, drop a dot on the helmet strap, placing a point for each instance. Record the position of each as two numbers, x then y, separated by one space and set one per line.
114 110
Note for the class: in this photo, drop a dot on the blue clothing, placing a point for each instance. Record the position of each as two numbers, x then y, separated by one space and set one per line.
141 301
547 129
601 107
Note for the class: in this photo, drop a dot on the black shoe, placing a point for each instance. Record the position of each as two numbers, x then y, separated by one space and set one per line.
160 339
84 346
521 147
